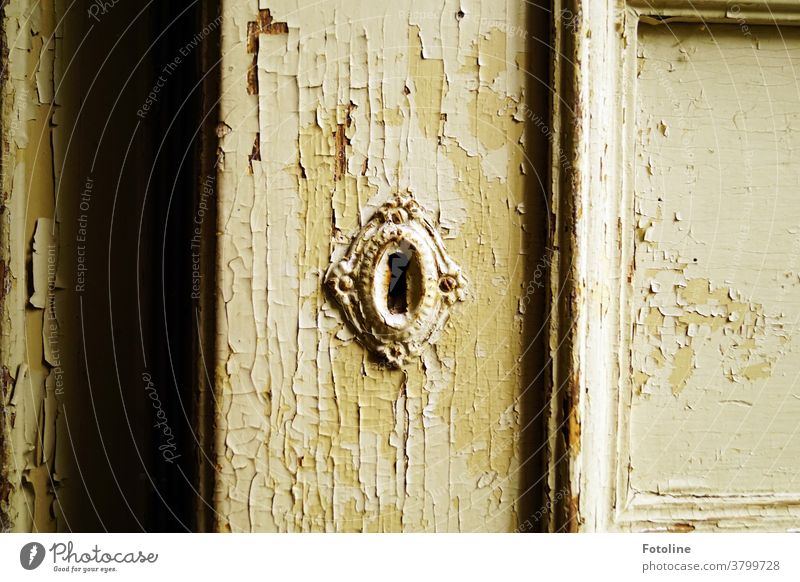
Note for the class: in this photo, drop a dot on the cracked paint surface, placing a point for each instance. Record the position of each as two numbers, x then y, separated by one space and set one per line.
715 293
348 103
34 462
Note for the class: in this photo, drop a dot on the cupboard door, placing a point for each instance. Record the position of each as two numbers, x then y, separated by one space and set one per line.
685 254
329 112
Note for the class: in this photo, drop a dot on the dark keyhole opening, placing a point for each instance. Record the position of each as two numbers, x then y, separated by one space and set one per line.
397 297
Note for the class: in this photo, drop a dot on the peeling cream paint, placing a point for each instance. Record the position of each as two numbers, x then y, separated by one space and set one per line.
674 284
29 254
715 279
349 105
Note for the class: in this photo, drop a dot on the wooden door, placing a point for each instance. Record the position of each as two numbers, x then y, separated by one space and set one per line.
414 267
679 244
329 112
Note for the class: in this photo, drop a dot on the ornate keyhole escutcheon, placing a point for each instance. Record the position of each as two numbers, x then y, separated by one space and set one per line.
396 282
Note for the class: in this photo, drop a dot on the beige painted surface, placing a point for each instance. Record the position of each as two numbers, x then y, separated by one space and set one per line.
30 347
328 110
716 287
677 288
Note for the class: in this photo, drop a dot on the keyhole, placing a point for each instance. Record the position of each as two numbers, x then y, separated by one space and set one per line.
397 296
399 283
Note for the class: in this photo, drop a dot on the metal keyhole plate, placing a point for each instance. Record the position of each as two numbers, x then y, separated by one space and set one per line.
396 282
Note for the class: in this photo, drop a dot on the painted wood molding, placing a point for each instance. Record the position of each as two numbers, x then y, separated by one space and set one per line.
601 383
